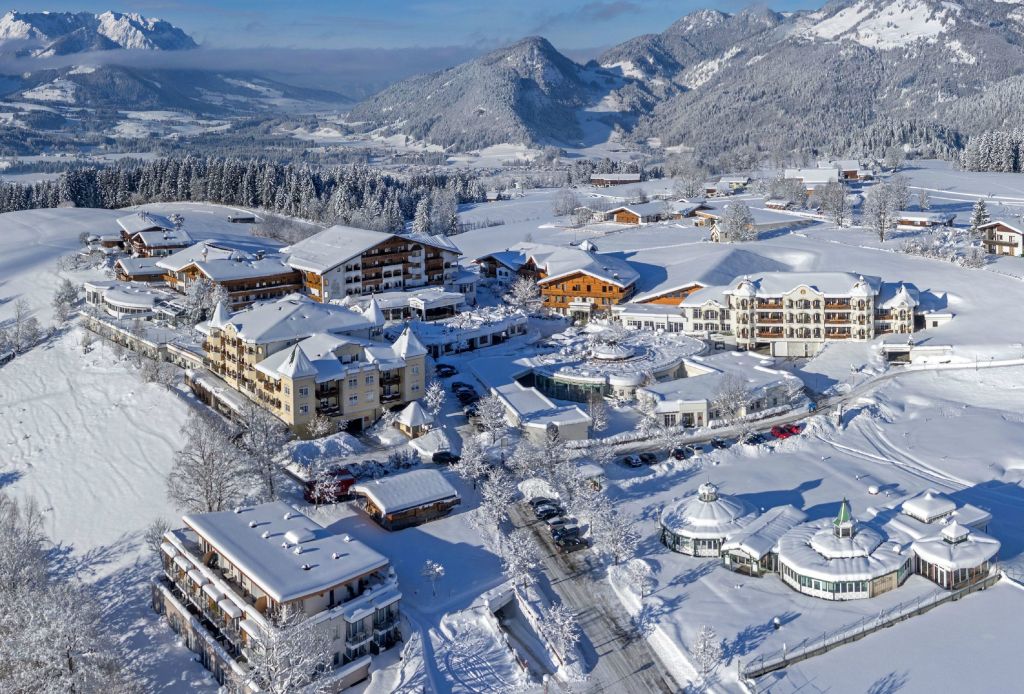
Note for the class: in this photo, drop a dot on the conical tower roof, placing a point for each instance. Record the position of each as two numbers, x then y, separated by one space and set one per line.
221 315
408 345
845 515
297 365
373 313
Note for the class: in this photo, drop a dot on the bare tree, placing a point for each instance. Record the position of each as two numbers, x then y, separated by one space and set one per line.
472 465
260 442
835 204
615 534
736 224
434 397
491 413
561 627
518 553
291 655
321 425
707 650
597 408
25 329
208 473
565 203
154 535
65 296
523 295
639 573
731 399
433 572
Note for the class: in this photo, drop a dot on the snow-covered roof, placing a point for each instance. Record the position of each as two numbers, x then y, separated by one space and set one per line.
707 514
718 265
619 177
286 554
642 209
144 221
838 284
413 415
813 176
1006 226
957 547
894 294
408 345
813 549
139 266
841 164
333 246
419 298
931 505
136 295
926 217
407 490
704 387
294 317
760 536
222 263
735 179
559 261
318 356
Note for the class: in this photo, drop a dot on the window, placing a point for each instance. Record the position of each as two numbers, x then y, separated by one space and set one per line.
353 399
287 390
416 370
304 409
369 380
415 388
369 396
303 392
287 407
353 382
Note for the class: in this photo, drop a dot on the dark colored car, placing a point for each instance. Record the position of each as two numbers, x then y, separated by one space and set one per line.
542 501
571 544
755 438
563 532
445 458
682 452
631 461
546 512
648 458
718 444
332 487
470 410
459 386
445 370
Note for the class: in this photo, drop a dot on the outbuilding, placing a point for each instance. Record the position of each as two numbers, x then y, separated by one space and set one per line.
408 498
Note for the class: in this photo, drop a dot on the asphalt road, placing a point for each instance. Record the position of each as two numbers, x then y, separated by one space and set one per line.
616 659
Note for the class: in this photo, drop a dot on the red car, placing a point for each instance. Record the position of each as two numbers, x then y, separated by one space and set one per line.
784 431
325 492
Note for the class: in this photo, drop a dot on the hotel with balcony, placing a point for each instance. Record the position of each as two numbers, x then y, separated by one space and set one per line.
792 313
345 261
298 358
228 576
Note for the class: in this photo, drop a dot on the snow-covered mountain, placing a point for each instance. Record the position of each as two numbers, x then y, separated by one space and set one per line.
63 33
855 75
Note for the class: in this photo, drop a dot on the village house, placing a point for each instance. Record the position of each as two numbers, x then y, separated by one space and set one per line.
425 303
246 276
228 576
813 178
1001 238
613 179
345 261
129 269
640 213
298 359
915 221
735 183
467 331
148 235
408 498
574 281
849 169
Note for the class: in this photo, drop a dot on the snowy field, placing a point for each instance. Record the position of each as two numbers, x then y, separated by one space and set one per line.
87 438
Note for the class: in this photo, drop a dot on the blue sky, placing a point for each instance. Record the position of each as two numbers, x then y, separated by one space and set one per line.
574 25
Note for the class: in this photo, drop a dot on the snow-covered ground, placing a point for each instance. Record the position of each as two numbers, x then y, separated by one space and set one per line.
91 441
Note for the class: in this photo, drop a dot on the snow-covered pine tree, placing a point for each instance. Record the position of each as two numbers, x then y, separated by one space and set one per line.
979 217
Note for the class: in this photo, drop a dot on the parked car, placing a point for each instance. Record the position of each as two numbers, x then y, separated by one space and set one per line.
559 521
793 429
648 458
470 410
332 487
682 452
445 370
755 438
565 531
782 431
571 544
542 501
459 386
467 398
631 461
445 458
718 444
545 512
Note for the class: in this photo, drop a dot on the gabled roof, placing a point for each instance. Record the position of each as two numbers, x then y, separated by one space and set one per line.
615 177
926 216
222 263
642 209
1000 223
144 221
335 245
296 364
315 356
407 490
